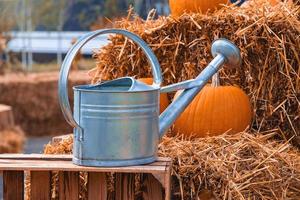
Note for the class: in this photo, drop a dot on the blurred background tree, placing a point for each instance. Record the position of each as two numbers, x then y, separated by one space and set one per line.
46 14
69 15
81 13
8 18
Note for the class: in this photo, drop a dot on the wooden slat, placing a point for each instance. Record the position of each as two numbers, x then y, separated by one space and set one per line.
44 157
13 183
167 184
97 186
52 165
68 185
152 188
125 185
54 157
40 185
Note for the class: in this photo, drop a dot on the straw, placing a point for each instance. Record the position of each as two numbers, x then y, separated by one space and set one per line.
270 46
241 166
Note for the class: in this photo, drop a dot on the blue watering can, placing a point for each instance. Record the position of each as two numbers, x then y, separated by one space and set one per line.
117 123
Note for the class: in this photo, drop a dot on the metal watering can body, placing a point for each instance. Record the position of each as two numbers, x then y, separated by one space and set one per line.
117 123
117 126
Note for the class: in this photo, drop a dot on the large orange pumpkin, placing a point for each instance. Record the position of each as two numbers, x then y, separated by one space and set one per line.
164 101
178 7
214 111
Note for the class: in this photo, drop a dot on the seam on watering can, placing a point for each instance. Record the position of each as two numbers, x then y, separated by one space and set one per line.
129 159
119 118
113 163
112 91
80 132
127 111
79 120
120 106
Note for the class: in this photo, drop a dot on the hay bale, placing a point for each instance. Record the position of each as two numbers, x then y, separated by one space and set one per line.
267 36
12 140
242 166
6 117
35 101
64 146
12 136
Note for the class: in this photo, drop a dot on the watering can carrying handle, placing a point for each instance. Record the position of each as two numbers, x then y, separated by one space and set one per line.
64 72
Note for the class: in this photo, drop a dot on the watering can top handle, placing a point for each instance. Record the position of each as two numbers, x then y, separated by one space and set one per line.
64 72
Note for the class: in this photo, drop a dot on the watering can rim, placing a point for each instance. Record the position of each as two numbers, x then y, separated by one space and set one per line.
66 65
76 88
223 50
131 88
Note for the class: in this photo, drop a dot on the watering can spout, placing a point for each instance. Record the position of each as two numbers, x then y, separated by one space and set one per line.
224 52
116 122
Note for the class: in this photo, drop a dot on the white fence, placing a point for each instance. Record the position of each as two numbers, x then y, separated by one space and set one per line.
39 42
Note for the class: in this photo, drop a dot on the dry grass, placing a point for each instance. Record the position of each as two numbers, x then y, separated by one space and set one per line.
246 165
35 101
242 166
12 140
270 45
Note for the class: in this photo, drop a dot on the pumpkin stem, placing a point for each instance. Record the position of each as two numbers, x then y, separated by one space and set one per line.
216 80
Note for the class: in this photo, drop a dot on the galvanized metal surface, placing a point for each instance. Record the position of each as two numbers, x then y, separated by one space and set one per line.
224 52
117 123
118 128
64 73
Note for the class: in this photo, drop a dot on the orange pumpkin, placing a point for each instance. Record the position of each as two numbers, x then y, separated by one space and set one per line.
178 7
164 101
214 111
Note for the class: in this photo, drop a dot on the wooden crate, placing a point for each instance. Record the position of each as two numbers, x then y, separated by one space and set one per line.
157 178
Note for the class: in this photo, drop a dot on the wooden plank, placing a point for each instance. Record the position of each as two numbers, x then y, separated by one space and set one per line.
56 157
52 165
13 185
167 184
125 186
44 160
152 188
97 186
44 157
68 185
40 185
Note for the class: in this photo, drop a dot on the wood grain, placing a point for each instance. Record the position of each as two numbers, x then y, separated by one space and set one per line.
68 185
40 185
54 157
125 186
152 188
97 186
44 157
155 178
63 163
13 185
